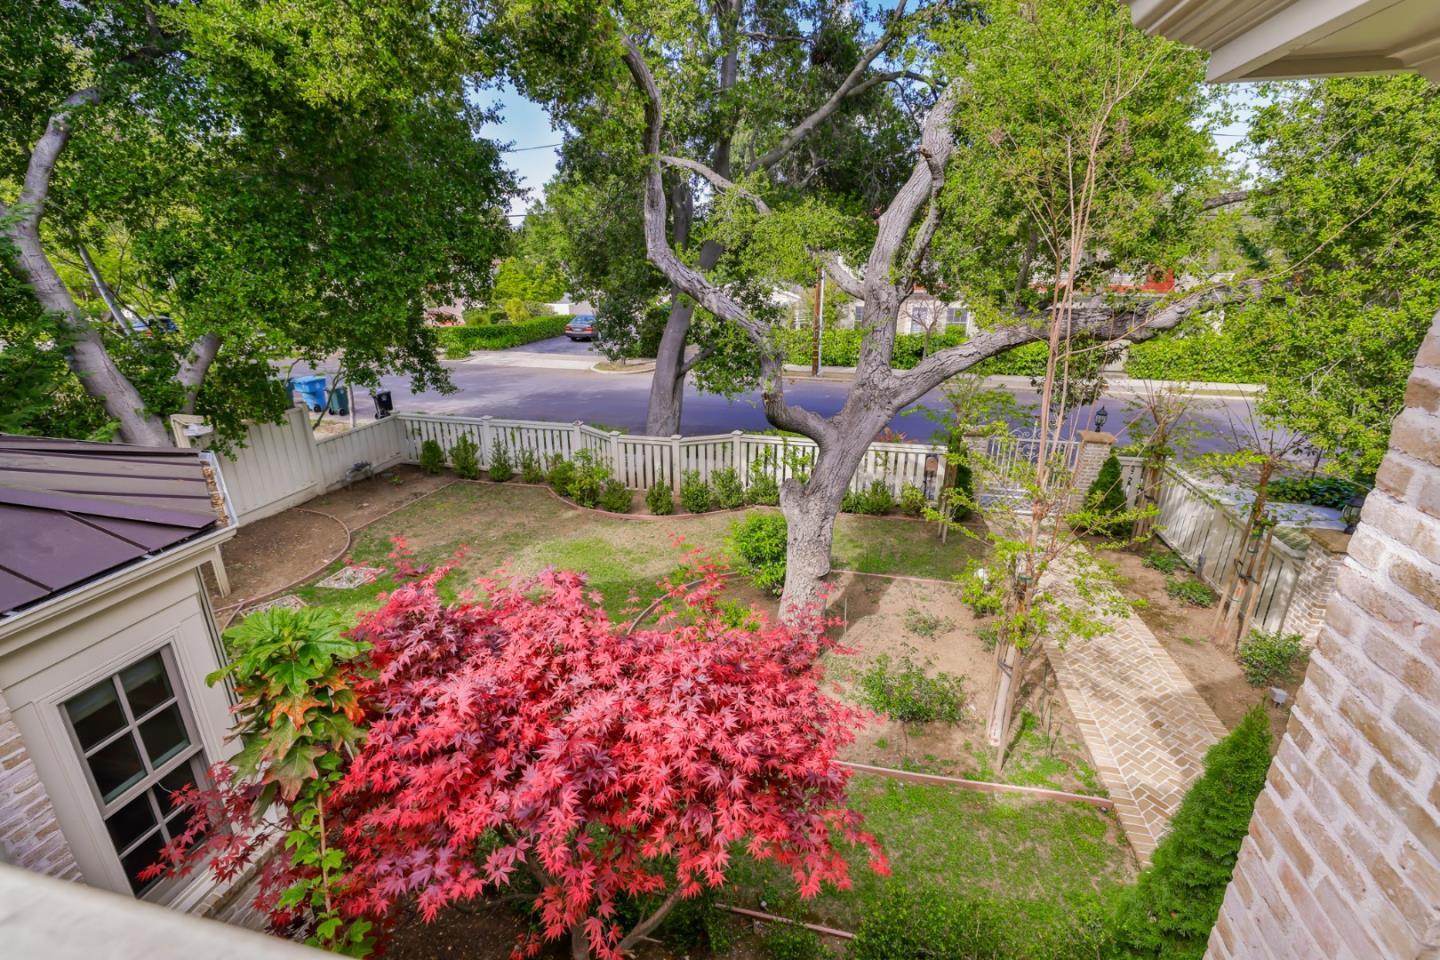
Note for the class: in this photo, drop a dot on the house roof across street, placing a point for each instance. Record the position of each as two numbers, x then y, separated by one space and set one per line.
72 510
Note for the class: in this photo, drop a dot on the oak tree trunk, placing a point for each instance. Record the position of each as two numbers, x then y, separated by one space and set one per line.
667 384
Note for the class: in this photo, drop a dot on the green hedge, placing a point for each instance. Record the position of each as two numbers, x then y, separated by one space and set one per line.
461 340
1210 357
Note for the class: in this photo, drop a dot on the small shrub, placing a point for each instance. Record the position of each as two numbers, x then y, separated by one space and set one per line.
1162 560
530 469
561 472
432 457
850 503
695 494
1330 492
786 941
924 624
1169 911
912 500
758 543
729 492
1271 658
465 458
659 500
764 488
908 694
615 497
1192 592
1105 501
588 479
962 493
877 500
738 616
501 469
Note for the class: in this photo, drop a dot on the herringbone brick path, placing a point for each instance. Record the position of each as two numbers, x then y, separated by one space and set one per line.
1146 726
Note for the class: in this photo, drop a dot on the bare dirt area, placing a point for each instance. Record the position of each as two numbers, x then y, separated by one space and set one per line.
1184 631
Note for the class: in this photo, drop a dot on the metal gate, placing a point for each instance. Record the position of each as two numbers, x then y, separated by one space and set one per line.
1009 470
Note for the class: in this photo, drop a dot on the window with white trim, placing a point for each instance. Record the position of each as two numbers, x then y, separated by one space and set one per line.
138 745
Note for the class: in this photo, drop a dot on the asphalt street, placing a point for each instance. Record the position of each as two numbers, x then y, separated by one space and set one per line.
618 400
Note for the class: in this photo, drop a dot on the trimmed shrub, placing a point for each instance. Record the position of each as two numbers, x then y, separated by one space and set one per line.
912 500
1203 355
465 458
615 497
786 941
729 493
659 500
588 479
758 543
1271 658
530 469
459 341
908 694
1171 908
1106 500
1191 592
695 494
432 457
876 500
500 467
560 474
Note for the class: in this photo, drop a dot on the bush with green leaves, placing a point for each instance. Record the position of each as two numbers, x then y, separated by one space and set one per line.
560 474
911 922
1162 560
501 469
1331 492
729 492
1271 658
850 503
459 341
903 690
465 458
877 500
615 497
659 499
1169 911
1191 592
912 500
1106 503
695 494
530 469
764 489
588 478
962 491
432 457
758 543
789 941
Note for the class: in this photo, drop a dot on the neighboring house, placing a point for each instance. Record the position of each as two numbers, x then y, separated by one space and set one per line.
106 636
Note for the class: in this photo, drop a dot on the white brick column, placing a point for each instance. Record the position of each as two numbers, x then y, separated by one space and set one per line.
1343 856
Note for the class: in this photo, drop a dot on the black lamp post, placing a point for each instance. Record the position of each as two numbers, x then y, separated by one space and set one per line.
1101 416
1350 513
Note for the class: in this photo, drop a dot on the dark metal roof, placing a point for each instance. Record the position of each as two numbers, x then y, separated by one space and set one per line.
71 511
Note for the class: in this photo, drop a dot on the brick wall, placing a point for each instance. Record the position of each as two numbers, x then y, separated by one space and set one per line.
1343 856
30 835
1094 451
1315 583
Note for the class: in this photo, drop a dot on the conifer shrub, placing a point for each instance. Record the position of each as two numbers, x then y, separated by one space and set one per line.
1105 500
1169 911
432 457
465 458
530 469
615 497
501 469
659 500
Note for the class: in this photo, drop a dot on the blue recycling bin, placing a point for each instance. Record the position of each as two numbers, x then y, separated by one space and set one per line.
311 391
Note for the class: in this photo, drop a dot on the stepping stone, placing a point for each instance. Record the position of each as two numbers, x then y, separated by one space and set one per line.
348 578
289 601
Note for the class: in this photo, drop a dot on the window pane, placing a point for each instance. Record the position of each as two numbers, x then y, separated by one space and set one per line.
181 776
146 685
116 767
96 713
130 822
140 858
164 735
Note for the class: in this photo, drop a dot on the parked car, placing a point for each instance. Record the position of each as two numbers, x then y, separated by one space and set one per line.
581 327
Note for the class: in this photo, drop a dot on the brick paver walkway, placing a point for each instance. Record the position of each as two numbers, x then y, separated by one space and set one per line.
1146 726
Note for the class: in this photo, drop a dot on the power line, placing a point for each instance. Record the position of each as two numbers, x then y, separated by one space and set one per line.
538 146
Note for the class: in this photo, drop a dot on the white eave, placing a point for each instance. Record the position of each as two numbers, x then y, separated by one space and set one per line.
1282 39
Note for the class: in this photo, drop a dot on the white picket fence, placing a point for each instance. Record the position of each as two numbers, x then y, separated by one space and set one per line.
1208 536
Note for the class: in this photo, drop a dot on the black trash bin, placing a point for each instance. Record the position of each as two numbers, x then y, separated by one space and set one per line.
384 406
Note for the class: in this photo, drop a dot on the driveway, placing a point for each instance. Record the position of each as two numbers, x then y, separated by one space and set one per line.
562 345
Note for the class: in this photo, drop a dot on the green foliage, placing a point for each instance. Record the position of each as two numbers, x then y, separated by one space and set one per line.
850 503
560 474
459 341
1192 592
1329 492
1271 658
758 543
587 479
465 458
907 693
926 625
763 489
1197 353
1162 560
501 469
927 921
432 457
912 500
1105 501
659 499
615 497
1168 913
729 493
43 398
876 500
695 494
786 941
530 469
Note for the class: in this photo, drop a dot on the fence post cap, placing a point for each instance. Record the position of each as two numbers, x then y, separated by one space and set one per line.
614 433
677 436
486 417
737 433
1095 436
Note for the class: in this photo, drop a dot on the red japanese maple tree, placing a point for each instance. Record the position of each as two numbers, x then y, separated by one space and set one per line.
604 762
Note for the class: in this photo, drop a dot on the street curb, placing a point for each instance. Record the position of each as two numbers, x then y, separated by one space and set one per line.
639 368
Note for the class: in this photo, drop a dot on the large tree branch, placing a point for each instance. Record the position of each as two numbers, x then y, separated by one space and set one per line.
718 182
936 144
644 927
1233 197
36 187
194 366
841 93
112 303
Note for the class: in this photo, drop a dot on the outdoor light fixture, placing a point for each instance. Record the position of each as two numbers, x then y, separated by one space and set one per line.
1101 416
1350 513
